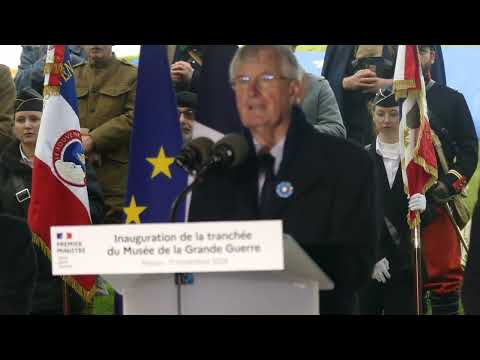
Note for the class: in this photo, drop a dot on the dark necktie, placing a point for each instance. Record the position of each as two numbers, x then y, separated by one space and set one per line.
265 165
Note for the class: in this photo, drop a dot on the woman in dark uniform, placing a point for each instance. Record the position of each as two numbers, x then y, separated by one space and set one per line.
391 290
16 163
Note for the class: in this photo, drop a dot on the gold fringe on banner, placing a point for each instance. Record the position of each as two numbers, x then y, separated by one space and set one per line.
415 221
49 90
53 68
427 167
86 295
418 159
401 88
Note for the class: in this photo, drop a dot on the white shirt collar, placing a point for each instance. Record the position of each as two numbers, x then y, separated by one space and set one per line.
25 159
389 151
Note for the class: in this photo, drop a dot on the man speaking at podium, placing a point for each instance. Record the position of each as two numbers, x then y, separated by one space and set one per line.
319 185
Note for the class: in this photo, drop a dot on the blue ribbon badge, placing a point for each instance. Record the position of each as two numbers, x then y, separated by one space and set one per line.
284 189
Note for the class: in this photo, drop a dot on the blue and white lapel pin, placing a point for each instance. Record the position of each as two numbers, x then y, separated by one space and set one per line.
284 189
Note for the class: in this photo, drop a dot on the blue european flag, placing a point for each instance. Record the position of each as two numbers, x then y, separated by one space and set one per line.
154 180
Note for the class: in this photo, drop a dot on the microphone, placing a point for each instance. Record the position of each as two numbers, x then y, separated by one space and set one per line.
230 151
194 154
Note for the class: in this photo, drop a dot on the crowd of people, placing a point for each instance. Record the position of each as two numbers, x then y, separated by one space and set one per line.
334 139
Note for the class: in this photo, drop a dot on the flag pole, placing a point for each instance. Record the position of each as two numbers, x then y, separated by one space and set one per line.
66 307
417 251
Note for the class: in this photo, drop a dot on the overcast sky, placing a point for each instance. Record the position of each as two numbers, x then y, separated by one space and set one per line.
10 54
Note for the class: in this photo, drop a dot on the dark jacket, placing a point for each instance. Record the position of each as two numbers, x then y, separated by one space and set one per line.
331 213
15 176
18 266
393 205
183 53
452 121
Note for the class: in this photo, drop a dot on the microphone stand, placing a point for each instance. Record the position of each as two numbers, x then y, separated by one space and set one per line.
179 277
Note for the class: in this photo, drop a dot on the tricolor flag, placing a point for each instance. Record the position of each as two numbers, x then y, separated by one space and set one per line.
59 192
418 160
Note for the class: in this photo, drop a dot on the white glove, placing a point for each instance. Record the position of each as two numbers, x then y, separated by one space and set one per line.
417 202
380 272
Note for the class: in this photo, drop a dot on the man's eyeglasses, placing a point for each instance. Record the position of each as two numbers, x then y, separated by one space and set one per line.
262 82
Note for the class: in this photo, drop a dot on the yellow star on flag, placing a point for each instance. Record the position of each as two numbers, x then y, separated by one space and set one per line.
133 212
161 164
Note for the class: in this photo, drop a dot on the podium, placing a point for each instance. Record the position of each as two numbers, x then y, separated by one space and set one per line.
293 291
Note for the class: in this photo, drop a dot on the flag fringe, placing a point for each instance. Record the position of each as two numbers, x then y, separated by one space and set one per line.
87 295
53 68
420 160
415 222
402 88
51 91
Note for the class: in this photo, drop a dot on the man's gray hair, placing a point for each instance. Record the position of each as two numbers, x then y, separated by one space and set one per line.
290 66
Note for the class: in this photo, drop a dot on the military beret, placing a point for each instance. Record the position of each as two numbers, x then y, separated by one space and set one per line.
187 99
385 97
29 100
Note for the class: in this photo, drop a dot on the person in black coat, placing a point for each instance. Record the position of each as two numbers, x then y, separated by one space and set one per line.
18 268
186 67
391 290
319 185
356 73
16 163
452 122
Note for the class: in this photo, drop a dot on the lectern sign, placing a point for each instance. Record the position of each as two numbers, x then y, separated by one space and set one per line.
167 248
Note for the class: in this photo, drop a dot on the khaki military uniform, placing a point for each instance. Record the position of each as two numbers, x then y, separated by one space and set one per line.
106 98
7 106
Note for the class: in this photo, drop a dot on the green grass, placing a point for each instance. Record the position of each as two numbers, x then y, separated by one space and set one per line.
103 305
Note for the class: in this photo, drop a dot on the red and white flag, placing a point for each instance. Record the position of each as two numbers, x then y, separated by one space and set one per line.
419 163
59 192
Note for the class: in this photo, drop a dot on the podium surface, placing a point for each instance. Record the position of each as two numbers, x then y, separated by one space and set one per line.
293 291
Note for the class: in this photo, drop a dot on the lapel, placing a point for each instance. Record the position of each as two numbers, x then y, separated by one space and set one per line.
297 168
245 183
382 172
398 178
